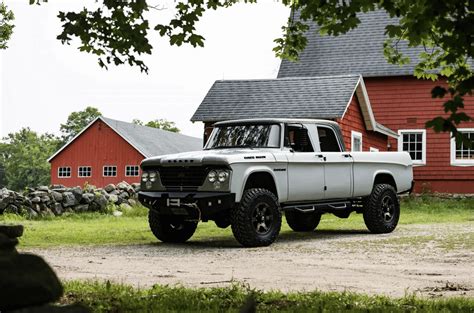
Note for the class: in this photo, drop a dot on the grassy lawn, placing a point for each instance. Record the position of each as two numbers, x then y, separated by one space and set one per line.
132 227
106 297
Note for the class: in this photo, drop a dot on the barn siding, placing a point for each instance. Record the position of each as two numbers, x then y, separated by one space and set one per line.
354 121
406 103
99 145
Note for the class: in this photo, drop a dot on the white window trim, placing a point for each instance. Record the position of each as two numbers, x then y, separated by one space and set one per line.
454 161
103 170
372 149
132 166
78 172
354 135
70 172
423 152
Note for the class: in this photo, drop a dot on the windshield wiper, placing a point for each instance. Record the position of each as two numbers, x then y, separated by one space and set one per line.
230 147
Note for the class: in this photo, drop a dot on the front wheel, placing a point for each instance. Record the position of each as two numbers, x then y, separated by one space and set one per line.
256 221
382 209
169 228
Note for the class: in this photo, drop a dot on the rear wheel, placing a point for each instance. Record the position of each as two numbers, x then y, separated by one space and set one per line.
382 209
257 220
169 228
302 222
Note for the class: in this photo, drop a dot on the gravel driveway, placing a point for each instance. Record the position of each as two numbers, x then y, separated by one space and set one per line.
431 260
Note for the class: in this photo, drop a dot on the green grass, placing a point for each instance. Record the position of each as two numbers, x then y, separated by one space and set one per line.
107 297
132 227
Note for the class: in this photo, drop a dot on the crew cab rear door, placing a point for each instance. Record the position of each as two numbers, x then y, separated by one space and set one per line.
337 164
305 166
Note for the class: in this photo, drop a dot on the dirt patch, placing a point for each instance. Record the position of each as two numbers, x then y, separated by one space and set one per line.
413 259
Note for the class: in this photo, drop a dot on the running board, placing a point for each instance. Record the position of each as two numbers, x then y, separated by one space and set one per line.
311 207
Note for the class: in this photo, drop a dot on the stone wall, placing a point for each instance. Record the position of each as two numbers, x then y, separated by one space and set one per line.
57 199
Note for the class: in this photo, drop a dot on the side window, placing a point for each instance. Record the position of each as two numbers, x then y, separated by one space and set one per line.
297 138
356 141
328 140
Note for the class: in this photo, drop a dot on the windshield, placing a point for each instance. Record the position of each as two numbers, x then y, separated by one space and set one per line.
245 136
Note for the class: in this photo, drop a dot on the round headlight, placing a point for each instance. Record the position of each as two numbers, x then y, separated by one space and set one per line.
145 176
212 176
152 176
223 176
148 185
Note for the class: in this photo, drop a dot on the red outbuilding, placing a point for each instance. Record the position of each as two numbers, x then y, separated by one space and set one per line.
392 96
109 151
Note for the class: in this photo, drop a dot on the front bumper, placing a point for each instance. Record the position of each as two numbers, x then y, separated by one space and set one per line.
189 205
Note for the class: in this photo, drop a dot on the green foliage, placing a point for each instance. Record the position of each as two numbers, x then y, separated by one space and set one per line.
23 155
111 297
160 124
76 122
6 26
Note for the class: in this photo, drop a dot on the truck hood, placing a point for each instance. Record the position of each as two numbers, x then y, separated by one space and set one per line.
214 157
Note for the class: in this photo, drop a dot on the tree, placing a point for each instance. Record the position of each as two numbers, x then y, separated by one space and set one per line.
76 122
160 124
117 32
6 26
23 155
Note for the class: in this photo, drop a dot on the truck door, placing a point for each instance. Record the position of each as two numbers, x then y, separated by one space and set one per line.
305 166
338 165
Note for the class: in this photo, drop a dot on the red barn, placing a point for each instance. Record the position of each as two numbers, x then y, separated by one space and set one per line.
109 151
398 100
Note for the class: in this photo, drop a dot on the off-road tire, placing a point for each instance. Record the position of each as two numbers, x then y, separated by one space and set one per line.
380 217
246 218
169 228
301 221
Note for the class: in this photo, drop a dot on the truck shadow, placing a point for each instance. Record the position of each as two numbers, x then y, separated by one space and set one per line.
326 234
285 237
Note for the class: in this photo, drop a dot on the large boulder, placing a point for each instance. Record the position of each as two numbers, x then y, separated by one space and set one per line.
57 208
81 208
77 192
69 199
113 198
101 202
36 200
109 188
87 197
57 196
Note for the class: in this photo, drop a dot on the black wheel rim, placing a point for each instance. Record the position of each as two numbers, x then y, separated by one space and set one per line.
262 218
388 209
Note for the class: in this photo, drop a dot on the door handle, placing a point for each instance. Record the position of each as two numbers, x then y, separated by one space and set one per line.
321 156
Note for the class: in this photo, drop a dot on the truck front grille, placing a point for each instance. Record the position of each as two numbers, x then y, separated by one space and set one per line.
183 178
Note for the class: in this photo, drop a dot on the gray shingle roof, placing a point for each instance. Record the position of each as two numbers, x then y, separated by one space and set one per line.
151 141
359 51
315 97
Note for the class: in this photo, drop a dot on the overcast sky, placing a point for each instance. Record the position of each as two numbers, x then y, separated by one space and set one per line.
43 81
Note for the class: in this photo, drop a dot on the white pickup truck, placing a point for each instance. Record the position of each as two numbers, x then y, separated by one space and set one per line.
251 171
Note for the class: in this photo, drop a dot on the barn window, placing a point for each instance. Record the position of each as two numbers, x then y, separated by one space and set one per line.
85 171
110 171
462 153
413 141
356 141
64 172
132 170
